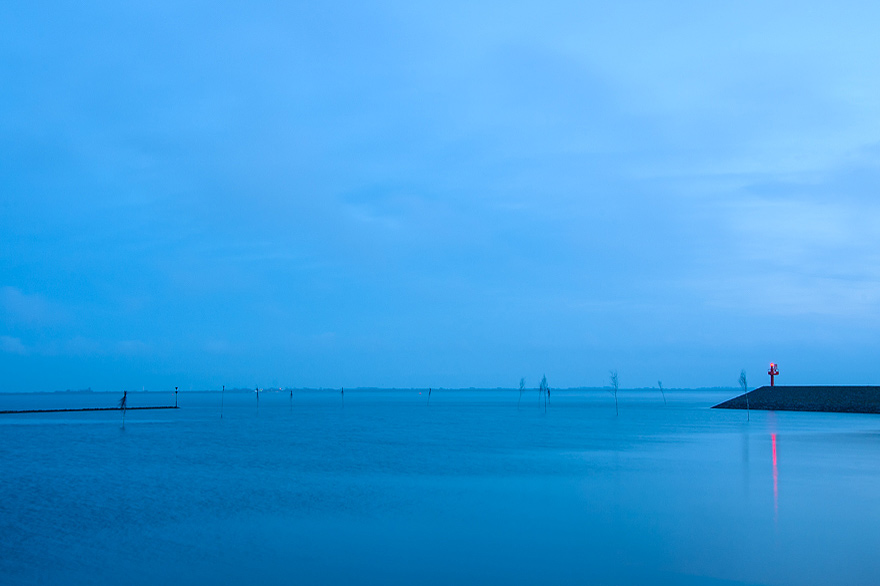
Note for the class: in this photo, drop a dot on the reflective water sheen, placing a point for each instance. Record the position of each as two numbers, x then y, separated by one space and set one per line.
383 487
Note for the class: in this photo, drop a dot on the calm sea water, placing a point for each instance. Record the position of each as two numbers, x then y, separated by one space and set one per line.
385 487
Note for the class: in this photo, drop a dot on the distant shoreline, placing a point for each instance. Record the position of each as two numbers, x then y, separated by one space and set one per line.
381 389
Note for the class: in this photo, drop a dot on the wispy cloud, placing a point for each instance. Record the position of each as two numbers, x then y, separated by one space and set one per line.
19 308
12 345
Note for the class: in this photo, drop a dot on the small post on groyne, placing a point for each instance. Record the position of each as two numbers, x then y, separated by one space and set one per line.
773 372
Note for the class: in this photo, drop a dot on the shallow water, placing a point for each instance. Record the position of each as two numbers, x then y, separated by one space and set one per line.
385 487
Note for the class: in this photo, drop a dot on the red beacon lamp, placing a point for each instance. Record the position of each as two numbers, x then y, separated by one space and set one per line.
773 372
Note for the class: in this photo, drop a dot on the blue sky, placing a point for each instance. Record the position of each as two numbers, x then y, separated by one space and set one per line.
448 194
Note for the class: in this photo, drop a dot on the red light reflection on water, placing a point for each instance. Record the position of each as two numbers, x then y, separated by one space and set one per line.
775 480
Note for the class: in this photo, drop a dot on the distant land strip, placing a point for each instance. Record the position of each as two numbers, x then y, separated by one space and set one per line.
85 409
831 399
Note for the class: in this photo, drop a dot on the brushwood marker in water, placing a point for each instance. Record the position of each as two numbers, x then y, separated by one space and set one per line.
122 405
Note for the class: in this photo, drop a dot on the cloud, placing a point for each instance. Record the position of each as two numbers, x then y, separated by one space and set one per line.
216 346
132 348
19 308
10 345
82 346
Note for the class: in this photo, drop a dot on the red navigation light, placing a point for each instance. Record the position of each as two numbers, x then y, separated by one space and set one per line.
772 372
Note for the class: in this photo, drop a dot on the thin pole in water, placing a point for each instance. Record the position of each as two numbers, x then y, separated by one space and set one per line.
175 397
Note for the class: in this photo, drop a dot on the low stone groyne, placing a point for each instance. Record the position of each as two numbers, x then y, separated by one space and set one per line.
85 409
834 399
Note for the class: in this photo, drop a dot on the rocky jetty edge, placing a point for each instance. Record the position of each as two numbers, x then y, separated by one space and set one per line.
832 399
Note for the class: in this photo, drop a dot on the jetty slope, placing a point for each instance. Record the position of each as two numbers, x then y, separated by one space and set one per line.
835 399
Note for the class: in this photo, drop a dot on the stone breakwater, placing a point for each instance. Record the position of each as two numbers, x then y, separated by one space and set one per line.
8 412
834 399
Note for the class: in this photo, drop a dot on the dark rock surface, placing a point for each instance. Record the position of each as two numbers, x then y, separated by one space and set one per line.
813 398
